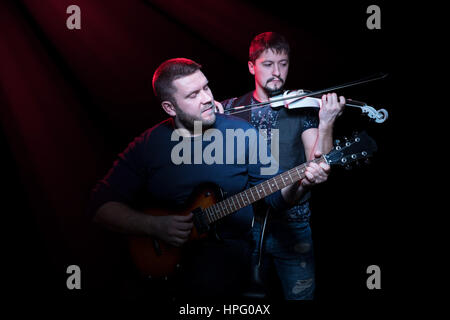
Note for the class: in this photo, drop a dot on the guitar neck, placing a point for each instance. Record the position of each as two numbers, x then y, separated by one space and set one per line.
258 192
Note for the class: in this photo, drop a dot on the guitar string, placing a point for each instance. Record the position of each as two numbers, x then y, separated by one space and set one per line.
211 212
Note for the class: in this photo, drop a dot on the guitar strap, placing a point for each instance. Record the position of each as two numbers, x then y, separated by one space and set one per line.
256 269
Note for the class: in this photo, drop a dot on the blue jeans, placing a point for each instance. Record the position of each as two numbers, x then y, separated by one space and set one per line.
288 247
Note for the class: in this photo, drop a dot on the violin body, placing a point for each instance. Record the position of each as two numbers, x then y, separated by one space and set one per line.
293 99
285 100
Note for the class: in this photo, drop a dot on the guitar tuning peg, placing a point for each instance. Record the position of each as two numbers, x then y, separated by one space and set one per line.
337 142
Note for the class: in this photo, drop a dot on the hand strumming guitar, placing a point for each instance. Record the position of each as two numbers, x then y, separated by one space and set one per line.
173 229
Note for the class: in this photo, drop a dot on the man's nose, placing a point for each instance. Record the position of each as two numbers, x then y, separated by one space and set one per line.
276 70
206 97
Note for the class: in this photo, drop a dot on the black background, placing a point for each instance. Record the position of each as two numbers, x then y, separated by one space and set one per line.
359 218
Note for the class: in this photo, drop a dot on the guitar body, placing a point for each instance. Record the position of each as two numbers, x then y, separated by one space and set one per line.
154 257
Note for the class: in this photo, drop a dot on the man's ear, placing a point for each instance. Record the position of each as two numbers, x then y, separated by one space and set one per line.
169 108
251 67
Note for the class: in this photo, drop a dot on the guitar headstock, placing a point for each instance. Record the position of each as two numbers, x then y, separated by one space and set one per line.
360 146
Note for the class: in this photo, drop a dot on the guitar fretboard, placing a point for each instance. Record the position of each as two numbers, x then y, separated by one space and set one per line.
253 194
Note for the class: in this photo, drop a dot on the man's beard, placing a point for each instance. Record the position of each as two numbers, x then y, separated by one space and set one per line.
273 92
188 120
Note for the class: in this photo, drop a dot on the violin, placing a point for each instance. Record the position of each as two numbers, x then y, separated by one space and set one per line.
292 99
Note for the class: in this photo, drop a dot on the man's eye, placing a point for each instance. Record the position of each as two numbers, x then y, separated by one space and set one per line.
206 88
193 95
267 64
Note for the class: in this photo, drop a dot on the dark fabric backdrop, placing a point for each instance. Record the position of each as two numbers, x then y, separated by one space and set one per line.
71 100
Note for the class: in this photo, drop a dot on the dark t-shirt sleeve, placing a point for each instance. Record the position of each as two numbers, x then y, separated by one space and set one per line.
125 181
310 119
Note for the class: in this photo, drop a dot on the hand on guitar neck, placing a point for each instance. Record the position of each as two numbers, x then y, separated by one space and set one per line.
315 173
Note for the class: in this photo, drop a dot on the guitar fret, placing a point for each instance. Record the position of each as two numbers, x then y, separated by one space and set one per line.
222 211
289 173
213 213
227 205
208 213
240 205
230 203
223 207
274 185
285 179
237 201
268 182
217 212
292 175
247 197
251 192
243 201
232 200
267 189
261 190
275 180
303 169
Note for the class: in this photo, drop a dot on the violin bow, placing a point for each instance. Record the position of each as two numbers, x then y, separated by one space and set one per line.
374 77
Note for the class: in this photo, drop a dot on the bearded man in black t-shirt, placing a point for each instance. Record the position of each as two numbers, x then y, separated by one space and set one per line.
299 135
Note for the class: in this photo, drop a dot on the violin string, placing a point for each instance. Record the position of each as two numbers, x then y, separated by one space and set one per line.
257 107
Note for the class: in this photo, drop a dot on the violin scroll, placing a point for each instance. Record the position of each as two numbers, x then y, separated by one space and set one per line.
379 115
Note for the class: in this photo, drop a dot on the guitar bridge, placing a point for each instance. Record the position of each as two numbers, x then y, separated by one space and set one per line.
200 221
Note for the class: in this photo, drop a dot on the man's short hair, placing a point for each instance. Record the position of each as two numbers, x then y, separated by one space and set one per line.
267 40
169 71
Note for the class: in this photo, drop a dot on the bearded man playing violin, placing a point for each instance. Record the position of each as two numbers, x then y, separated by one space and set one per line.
283 238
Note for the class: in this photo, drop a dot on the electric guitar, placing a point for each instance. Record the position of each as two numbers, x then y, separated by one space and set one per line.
155 258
